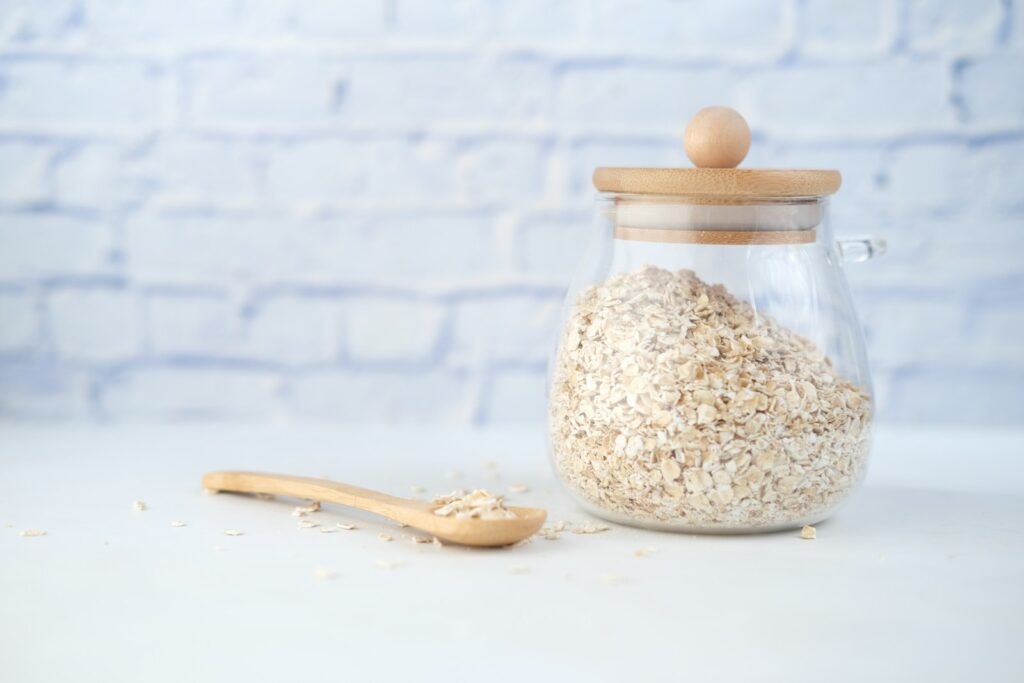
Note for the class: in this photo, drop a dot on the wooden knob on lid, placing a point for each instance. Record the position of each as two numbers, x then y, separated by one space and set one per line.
717 137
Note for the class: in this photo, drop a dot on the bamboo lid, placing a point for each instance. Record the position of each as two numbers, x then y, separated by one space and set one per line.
716 141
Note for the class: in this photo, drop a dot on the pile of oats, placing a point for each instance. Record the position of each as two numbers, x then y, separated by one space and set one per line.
479 504
674 404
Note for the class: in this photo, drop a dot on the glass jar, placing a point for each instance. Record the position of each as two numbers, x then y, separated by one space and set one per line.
711 373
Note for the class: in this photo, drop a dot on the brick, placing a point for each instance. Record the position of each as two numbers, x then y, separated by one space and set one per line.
40 245
177 23
393 330
43 389
29 22
23 170
952 25
193 325
553 244
389 397
441 250
190 392
847 29
394 170
187 168
703 29
957 395
998 170
457 18
294 330
390 250
927 178
903 329
516 397
332 18
630 98
95 176
818 102
95 324
995 333
275 92
517 328
540 20
108 95
200 249
502 171
990 90
19 322
450 93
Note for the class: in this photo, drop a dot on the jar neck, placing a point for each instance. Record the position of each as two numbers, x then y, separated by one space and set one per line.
674 219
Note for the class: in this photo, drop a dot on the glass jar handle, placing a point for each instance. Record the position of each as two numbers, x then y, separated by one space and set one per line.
861 248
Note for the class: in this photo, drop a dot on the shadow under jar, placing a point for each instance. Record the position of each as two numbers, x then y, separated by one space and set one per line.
711 373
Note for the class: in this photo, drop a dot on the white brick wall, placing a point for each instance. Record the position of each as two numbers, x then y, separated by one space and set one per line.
369 210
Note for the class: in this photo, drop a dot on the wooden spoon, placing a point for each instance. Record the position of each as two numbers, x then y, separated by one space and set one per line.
473 531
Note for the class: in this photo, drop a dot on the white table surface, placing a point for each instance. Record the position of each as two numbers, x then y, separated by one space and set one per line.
919 577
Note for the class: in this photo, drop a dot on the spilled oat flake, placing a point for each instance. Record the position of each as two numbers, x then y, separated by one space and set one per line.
347 527
478 504
808 533
645 552
518 488
590 528
32 533
307 524
178 524
139 506
303 510
233 532
384 537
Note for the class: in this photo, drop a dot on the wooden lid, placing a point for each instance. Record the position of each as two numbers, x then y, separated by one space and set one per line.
717 140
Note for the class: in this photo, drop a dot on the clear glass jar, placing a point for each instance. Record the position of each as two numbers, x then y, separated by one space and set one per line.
711 373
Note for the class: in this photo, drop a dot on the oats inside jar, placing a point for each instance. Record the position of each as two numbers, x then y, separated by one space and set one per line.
673 403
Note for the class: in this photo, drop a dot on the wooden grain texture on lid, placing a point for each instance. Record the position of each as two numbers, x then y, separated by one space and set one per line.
718 182
717 140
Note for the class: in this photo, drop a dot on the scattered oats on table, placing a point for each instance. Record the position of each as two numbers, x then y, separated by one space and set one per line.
674 402
32 533
329 530
645 552
347 527
518 488
178 524
808 533
590 528
303 510
420 539
384 537
139 506
478 504
233 532
307 524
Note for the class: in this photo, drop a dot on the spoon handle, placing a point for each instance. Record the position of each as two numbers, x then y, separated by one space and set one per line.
313 489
